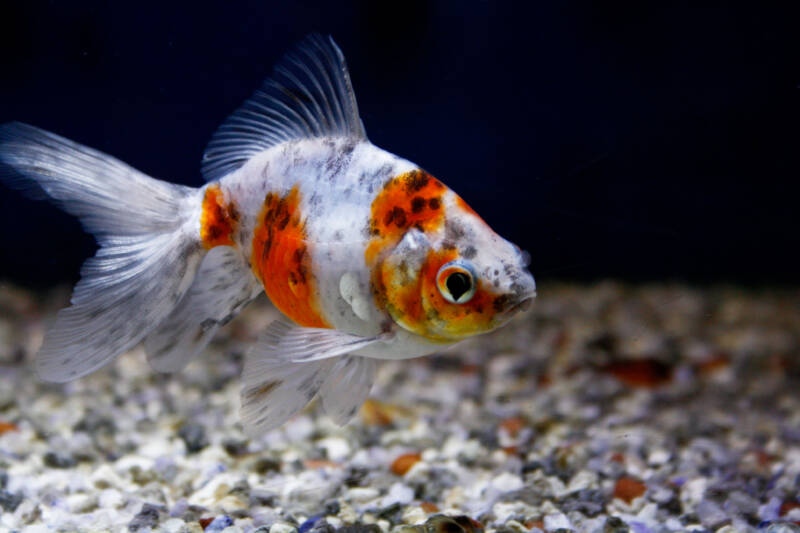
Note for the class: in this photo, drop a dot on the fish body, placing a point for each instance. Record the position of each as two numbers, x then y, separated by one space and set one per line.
367 255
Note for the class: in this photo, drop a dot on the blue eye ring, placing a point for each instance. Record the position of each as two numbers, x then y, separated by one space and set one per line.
457 281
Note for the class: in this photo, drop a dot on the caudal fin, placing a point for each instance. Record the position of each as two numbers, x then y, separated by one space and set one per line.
149 246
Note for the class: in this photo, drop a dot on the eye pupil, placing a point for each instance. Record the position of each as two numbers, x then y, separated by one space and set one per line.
458 283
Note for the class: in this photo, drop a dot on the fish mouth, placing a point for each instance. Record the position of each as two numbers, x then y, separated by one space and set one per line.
521 307
515 308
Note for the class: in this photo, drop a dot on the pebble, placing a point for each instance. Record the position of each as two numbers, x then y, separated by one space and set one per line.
680 402
146 518
194 436
281 527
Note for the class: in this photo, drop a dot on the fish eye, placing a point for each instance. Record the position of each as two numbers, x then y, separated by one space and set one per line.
456 282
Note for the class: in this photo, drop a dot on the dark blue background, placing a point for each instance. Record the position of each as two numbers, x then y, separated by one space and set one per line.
610 139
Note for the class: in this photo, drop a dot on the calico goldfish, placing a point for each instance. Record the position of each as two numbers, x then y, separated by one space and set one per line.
366 255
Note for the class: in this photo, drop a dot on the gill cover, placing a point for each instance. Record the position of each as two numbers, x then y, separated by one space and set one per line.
413 281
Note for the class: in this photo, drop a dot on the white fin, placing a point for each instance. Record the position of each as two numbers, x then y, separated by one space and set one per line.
276 386
288 342
149 249
224 285
347 386
308 95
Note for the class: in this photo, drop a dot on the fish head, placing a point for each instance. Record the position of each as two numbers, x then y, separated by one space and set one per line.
449 276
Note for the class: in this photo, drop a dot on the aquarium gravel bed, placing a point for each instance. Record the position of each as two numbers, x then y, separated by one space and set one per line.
607 408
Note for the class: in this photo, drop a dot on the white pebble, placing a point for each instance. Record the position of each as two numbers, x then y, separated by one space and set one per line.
556 521
336 448
282 527
507 482
398 493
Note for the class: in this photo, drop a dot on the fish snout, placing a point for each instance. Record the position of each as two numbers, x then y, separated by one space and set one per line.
519 297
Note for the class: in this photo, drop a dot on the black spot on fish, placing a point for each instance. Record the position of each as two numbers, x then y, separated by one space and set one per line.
416 180
434 203
399 216
418 204
469 252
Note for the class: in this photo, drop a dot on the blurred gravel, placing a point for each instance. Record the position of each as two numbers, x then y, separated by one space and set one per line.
607 408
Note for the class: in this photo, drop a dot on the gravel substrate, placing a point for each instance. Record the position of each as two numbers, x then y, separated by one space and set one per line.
606 409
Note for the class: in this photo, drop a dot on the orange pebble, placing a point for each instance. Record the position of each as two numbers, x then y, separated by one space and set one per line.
640 372
512 426
5 427
429 507
403 463
788 506
375 413
628 489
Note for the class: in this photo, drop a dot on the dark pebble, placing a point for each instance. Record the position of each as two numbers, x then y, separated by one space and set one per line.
267 464
147 518
355 476
590 502
58 460
615 524
234 448
194 435
331 508
94 422
3 479
391 513
10 501
359 528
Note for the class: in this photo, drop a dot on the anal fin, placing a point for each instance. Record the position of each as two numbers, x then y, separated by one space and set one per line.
290 364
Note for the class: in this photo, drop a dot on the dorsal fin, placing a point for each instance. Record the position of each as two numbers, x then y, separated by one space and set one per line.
308 95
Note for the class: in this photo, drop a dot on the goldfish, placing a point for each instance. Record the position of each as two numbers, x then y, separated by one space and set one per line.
366 255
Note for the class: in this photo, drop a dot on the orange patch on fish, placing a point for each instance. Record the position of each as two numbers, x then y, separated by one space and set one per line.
218 219
281 260
419 306
460 319
413 199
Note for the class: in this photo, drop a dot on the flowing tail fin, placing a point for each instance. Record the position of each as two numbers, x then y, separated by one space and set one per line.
150 249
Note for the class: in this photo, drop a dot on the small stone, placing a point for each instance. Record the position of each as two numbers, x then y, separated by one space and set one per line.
398 494
404 462
146 518
308 524
282 527
710 514
234 448
336 448
782 527
615 524
331 508
266 464
194 436
557 521
506 482
10 501
219 523
628 489
5 427
358 528
59 460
